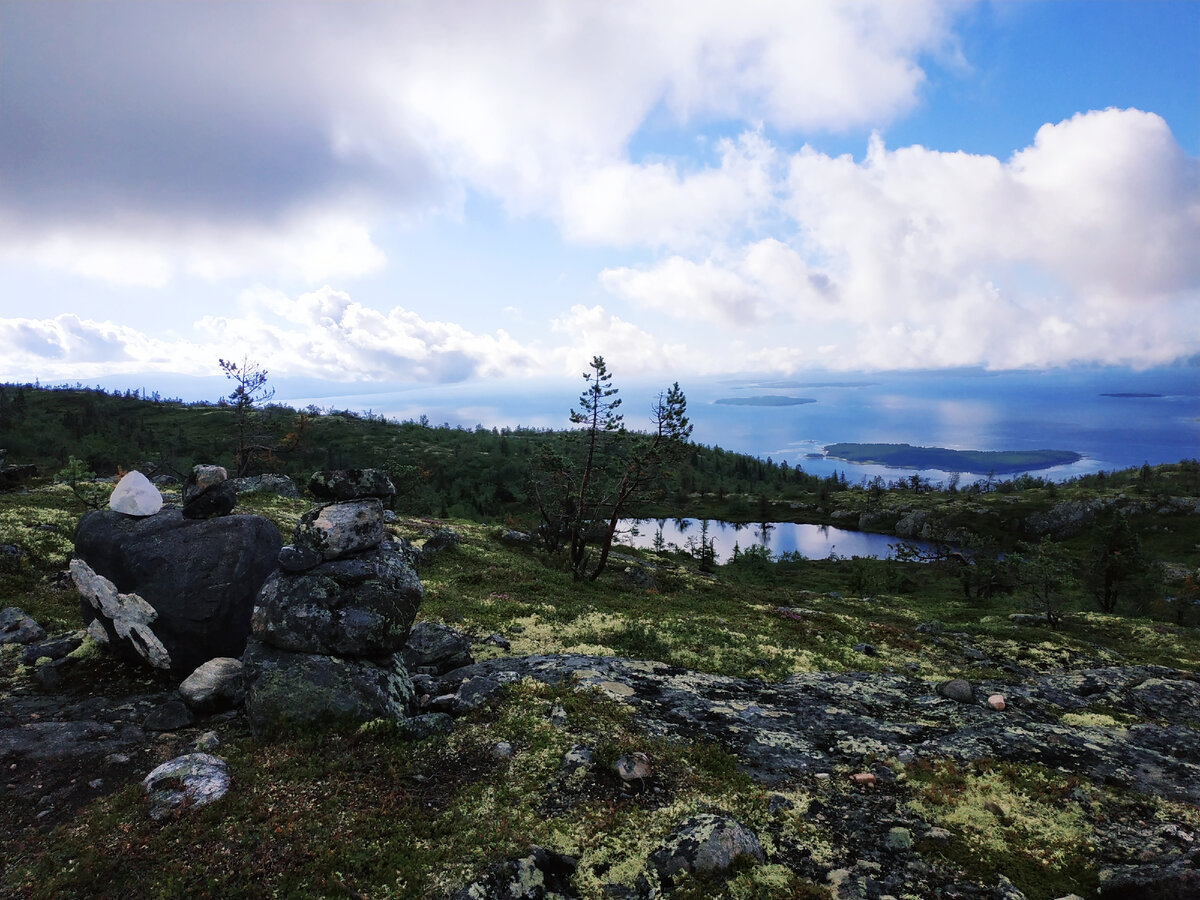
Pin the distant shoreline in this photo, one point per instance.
(1134, 395)
(974, 462)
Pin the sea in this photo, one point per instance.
(1113, 417)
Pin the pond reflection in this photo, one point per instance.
(810, 541)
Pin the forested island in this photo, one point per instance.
(976, 462)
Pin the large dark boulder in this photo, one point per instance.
(200, 575)
(295, 690)
(361, 606)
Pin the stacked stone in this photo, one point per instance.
(208, 493)
(329, 623)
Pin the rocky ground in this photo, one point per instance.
(852, 762)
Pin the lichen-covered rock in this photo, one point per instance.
(706, 843)
(290, 690)
(351, 484)
(134, 495)
(442, 539)
(1062, 520)
(18, 628)
(267, 483)
(200, 576)
(362, 606)
(816, 721)
(186, 782)
(216, 685)
(338, 530)
(911, 525)
(541, 874)
(436, 649)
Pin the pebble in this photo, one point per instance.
(96, 783)
(863, 778)
(502, 750)
(996, 702)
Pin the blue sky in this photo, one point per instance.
(366, 194)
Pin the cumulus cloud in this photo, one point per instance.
(1079, 247)
(324, 334)
(132, 133)
(626, 347)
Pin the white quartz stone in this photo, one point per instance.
(136, 496)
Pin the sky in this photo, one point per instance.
(366, 194)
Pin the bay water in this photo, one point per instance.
(1114, 417)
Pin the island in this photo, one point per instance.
(766, 400)
(975, 462)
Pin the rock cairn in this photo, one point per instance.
(329, 624)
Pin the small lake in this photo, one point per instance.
(812, 541)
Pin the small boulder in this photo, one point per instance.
(169, 716)
(18, 628)
(186, 782)
(338, 530)
(203, 478)
(299, 559)
(351, 484)
(218, 684)
(134, 495)
(996, 702)
(706, 843)
(898, 839)
(218, 500)
(633, 767)
(442, 539)
(268, 483)
(957, 689)
(436, 646)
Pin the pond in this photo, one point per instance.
(811, 541)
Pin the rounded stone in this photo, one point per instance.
(186, 782)
(217, 684)
(957, 689)
(996, 702)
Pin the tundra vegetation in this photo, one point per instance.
(1110, 559)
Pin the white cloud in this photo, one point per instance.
(592, 331)
(1079, 248)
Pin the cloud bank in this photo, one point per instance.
(145, 145)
